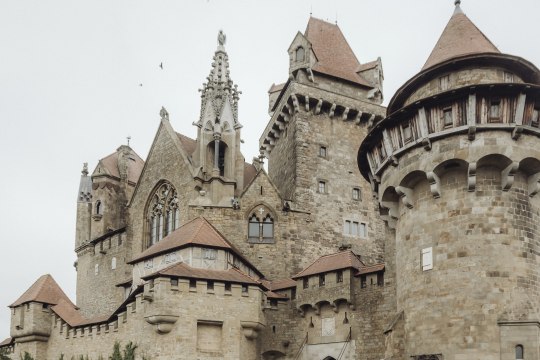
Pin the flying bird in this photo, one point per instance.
(161, 65)
(140, 84)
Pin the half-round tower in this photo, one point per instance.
(456, 167)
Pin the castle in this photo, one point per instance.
(406, 232)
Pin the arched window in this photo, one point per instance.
(163, 213)
(99, 208)
(519, 352)
(261, 225)
(300, 54)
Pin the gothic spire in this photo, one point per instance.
(219, 88)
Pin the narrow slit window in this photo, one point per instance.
(448, 118)
(305, 283)
(339, 276)
(356, 194)
(322, 279)
(322, 187)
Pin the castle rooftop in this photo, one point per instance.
(45, 290)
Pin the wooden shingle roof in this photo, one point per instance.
(460, 37)
(45, 290)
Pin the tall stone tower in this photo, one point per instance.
(100, 241)
(455, 166)
(312, 130)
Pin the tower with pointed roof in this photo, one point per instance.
(455, 168)
(313, 126)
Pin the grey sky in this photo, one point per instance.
(69, 89)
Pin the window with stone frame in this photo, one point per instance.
(323, 151)
(261, 225)
(356, 194)
(300, 54)
(322, 187)
(495, 110)
(163, 213)
(519, 352)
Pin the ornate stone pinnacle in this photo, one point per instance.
(457, 2)
(163, 113)
(85, 169)
(222, 38)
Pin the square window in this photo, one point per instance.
(210, 285)
(322, 187)
(227, 286)
(427, 259)
(244, 289)
(362, 230)
(448, 119)
(356, 194)
(407, 132)
(354, 228)
(192, 283)
(347, 227)
(535, 120)
(495, 110)
(444, 82)
(322, 151)
(322, 279)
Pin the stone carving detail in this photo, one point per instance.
(471, 177)
(164, 114)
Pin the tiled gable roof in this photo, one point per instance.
(182, 270)
(370, 269)
(460, 37)
(332, 262)
(195, 232)
(282, 284)
(334, 55)
(6, 342)
(45, 290)
(188, 143)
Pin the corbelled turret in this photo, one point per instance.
(455, 167)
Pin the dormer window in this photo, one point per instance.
(300, 54)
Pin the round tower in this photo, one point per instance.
(456, 169)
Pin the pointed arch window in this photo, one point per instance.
(300, 54)
(519, 352)
(260, 225)
(163, 213)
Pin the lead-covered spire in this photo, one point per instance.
(219, 90)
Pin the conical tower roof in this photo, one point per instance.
(460, 37)
(45, 290)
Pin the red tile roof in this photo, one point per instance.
(45, 290)
(277, 87)
(332, 262)
(250, 171)
(370, 269)
(188, 143)
(195, 232)
(282, 284)
(69, 313)
(334, 55)
(6, 342)
(460, 37)
(182, 270)
(136, 165)
(275, 295)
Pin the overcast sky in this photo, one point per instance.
(70, 75)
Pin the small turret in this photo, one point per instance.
(84, 208)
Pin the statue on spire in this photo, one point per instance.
(163, 113)
(221, 38)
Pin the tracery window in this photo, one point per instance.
(163, 213)
(261, 226)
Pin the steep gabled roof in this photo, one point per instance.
(334, 55)
(460, 37)
(370, 269)
(136, 164)
(282, 284)
(6, 342)
(188, 143)
(195, 232)
(68, 312)
(341, 260)
(45, 290)
(182, 270)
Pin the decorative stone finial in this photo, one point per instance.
(163, 113)
(85, 169)
(457, 2)
(221, 38)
